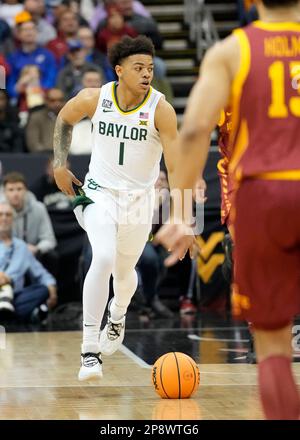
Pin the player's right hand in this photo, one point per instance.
(177, 239)
(64, 178)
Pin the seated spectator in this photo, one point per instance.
(55, 8)
(91, 78)
(28, 86)
(115, 29)
(46, 32)
(83, 129)
(31, 220)
(70, 77)
(41, 123)
(19, 267)
(11, 135)
(67, 26)
(160, 80)
(30, 53)
(100, 13)
(92, 55)
(47, 192)
(9, 9)
(142, 25)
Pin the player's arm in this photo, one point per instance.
(209, 96)
(82, 105)
(166, 124)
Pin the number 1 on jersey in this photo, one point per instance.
(121, 153)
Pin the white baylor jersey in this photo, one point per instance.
(126, 148)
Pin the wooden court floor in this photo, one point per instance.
(38, 380)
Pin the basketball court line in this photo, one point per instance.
(234, 350)
(192, 329)
(136, 359)
(200, 338)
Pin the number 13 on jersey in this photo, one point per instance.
(279, 108)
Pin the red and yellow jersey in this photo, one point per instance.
(266, 103)
(223, 164)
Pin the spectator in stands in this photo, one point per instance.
(40, 127)
(9, 9)
(142, 25)
(70, 77)
(46, 191)
(115, 29)
(67, 26)
(92, 78)
(11, 135)
(160, 80)
(31, 221)
(46, 32)
(55, 8)
(86, 37)
(19, 267)
(100, 12)
(30, 53)
(29, 88)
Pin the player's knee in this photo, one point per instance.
(129, 277)
(103, 261)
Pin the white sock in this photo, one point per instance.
(90, 338)
(124, 289)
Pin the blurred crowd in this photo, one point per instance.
(49, 51)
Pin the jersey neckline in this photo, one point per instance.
(277, 26)
(133, 110)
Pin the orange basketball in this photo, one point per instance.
(175, 375)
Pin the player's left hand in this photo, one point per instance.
(177, 239)
(64, 179)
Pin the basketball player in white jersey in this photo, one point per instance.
(132, 125)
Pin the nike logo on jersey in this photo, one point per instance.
(107, 111)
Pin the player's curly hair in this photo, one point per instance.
(279, 3)
(130, 46)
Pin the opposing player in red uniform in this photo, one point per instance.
(256, 71)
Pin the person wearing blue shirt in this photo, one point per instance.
(24, 283)
(30, 54)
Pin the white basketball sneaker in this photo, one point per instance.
(91, 366)
(112, 335)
